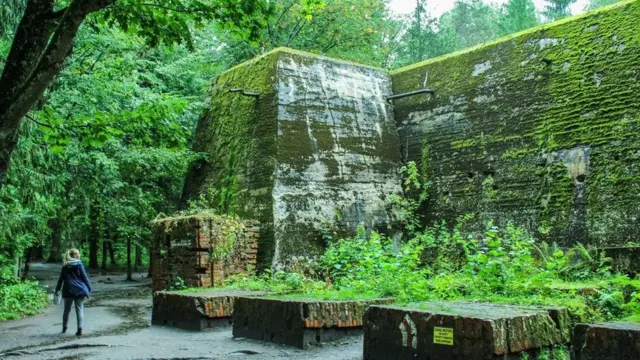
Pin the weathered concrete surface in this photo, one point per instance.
(540, 128)
(298, 323)
(609, 341)
(196, 310)
(337, 152)
(317, 150)
(182, 247)
(461, 331)
(624, 259)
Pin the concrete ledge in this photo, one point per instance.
(196, 311)
(609, 341)
(300, 322)
(461, 331)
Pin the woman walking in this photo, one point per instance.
(75, 286)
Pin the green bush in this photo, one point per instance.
(501, 264)
(21, 299)
(371, 264)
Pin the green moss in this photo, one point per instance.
(521, 118)
(329, 295)
(237, 134)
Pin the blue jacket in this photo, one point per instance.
(75, 279)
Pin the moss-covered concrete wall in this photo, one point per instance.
(318, 150)
(238, 136)
(338, 152)
(542, 128)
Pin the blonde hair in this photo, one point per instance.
(68, 257)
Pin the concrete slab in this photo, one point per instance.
(459, 330)
(298, 322)
(609, 341)
(200, 310)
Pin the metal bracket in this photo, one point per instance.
(412, 93)
(245, 93)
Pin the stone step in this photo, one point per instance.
(461, 331)
(608, 341)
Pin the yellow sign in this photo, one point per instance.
(443, 336)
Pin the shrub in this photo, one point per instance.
(21, 299)
(500, 264)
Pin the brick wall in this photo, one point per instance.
(182, 250)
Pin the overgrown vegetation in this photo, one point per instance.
(104, 149)
(21, 299)
(500, 264)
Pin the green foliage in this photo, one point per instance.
(170, 21)
(500, 264)
(416, 186)
(517, 15)
(368, 263)
(472, 21)
(349, 29)
(558, 9)
(10, 14)
(107, 153)
(594, 4)
(559, 352)
(21, 299)
(179, 285)
(278, 282)
(27, 201)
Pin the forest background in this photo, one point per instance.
(105, 149)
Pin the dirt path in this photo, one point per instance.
(117, 326)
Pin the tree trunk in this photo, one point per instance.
(112, 255)
(94, 234)
(150, 264)
(138, 256)
(55, 254)
(42, 42)
(18, 266)
(129, 278)
(27, 263)
(105, 250)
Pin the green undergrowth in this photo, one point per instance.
(329, 294)
(279, 282)
(21, 299)
(501, 265)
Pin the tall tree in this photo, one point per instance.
(348, 29)
(115, 98)
(44, 40)
(594, 4)
(558, 9)
(472, 21)
(421, 40)
(517, 15)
